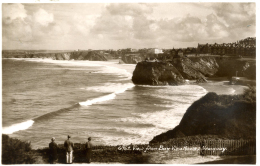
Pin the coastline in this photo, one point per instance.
(209, 87)
(222, 86)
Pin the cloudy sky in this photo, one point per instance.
(122, 25)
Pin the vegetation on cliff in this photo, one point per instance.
(15, 151)
(222, 115)
(229, 67)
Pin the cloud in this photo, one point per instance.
(15, 27)
(17, 30)
(82, 24)
(125, 25)
(237, 17)
(124, 22)
(43, 17)
(12, 12)
(131, 9)
(235, 13)
(133, 22)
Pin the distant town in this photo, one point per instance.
(242, 48)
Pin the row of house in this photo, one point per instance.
(245, 47)
(183, 51)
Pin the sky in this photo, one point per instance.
(72, 26)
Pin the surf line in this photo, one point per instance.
(105, 98)
(27, 124)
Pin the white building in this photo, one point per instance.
(155, 51)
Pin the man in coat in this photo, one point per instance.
(69, 150)
(53, 151)
(88, 147)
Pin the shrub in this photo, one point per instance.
(15, 151)
(250, 94)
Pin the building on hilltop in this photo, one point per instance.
(155, 51)
(245, 47)
(134, 50)
(183, 52)
(248, 41)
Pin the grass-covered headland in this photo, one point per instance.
(228, 116)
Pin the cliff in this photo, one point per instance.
(194, 68)
(222, 115)
(81, 55)
(156, 73)
(229, 67)
(174, 72)
(132, 59)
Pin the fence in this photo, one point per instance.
(205, 147)
(228, 147)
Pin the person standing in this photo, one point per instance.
(88, 147)
(69, 150)
(53, 151)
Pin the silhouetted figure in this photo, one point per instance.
(53, 151)
(69, 150)
(88, 147)
(202, 146)
(132, 147)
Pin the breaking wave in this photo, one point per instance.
(17, 127)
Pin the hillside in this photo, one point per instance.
(222, 115)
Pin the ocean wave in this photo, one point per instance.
(179, 94)
(116, 71)
(138, 136)
(109, 87)
(178, 89)
(104, 68)
(108, 67)
(106, 97)
(17, 127)
(171, 118)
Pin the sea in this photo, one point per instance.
(44, 98)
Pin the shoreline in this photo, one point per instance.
(206, 86)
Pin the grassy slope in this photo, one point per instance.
(222, 115)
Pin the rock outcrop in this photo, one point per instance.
(229, 67)
(174, 72)
(132, 59)
(156, 73)
(222, 115)
(194, 68)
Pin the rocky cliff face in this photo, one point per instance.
(131, 59)
(174, 72)
(156, 73)
(196, 68)
(229, 67)
(222, 115)
(92, 56)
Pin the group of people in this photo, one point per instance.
(68, 144)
